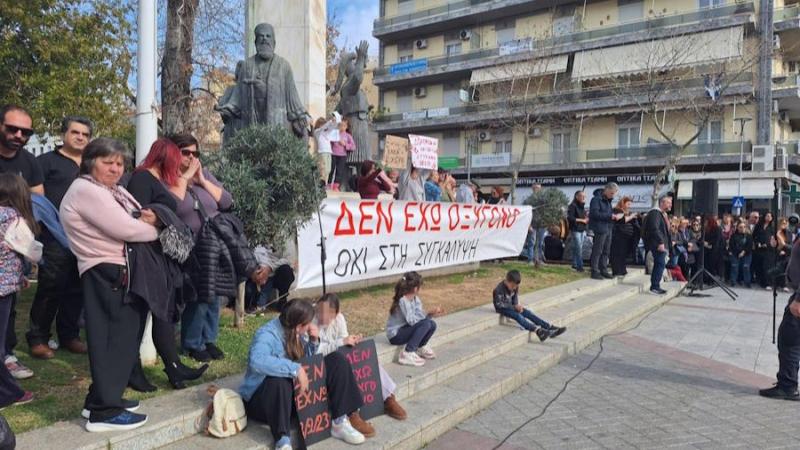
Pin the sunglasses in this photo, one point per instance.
(26, 132)
(186, 152)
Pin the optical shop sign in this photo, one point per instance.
(368, 238)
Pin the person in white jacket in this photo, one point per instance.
(333, 334)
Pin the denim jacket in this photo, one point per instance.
(268, 358)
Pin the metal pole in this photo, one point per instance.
(146, 120)
(742, 121)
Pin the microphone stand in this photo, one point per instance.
(322, 253)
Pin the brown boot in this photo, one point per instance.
(361, 426)
(393, 409)
(42, 351)
(75, 346)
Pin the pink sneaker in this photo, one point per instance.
(27, 397)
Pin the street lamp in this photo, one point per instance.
(742, 121)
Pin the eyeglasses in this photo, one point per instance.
(26, 132)
(187, 152)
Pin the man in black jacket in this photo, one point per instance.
(576, 216)
(601, 219)
(657, 241)
(789, 336)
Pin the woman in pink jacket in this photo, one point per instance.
(99, 217)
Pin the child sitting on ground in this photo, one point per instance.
(409, 324)
(333, 334)
(506, 303)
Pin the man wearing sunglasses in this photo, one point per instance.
(15, 130)
(58, 294)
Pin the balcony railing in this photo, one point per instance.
(620, 154)
(448, 8)
(563, 97)
(786, 13)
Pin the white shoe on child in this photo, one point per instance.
(410, 359)
(345, 432)
(426, 352)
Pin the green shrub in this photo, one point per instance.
(549, 205)
(272, 178)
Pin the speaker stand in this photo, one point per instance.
(702, 273)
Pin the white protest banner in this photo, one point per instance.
(369, 238)
(424, 152)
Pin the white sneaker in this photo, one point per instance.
(426, 352)
(16, 368)
(284, 447)
(410, 359)
(345, 432)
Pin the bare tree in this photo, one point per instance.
(176, 66)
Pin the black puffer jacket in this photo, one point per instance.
(221, 259)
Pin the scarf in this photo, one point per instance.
(120, 195)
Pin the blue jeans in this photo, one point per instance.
(577, 248)
(536, 245)
(659, 264)
(745, 262)
(200, 324)
(414, 336)
(524, 318)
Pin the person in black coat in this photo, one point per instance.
(624, 237)
(577, 219)
(764, 255)
(714, 245)
(657, 240)
(740, 249)
(601, 219)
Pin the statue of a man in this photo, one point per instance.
(265, 92)
(353, 102)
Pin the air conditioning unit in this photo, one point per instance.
(763, 158)
(484, 136)
(420, 92)
(776, 42)
(781, 158)
(465, 35)
(421, 43)
(535, 132)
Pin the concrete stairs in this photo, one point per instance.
(480, 360)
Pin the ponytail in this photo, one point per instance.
(406, 285)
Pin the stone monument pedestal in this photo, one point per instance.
(300, 30)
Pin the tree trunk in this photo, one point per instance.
(176, 66)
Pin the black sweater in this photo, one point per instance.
(576, 211)
(740, 242)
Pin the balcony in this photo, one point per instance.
(452, 14)
(645, 156)
(787, 18)
(564, 102)
(445, 66)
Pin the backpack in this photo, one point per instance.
(226, 414)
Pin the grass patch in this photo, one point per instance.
(61, 383)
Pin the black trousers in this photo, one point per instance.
(10, 334)
(273, 401)
(788, 351)
(9, 389)
(601, 247)
(113, 327)
(620, 249)
(58, 297)
(340, 172)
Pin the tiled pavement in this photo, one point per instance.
(685, 378)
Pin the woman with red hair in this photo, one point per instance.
(148, 185)
(714, 245)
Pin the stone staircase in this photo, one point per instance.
(480, 359)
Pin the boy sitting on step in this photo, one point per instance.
(506, 302)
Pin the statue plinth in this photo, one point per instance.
(300, 29)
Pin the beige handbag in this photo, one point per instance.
(20, 238)
(226, 414)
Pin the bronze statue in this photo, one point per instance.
(353, 103)
(264, 92)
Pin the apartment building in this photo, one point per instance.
(594, 91)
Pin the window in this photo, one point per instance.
(564, 20)
(451, 143)
(452, 95)
(711, 133)
(628, 135)
(452, 43)
(710, 3)
(405, 52)
(405, 7)
(560, 141)
(502, 144)
(506, 32)
(631, 10)
(404, 100)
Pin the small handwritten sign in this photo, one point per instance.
(312, 406)
(364, 360)
(424, 152)
(395, 153)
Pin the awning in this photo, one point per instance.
(519, 70)
(660, 54)
(751, 189)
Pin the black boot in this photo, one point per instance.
(137, 381)
(190, 373)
